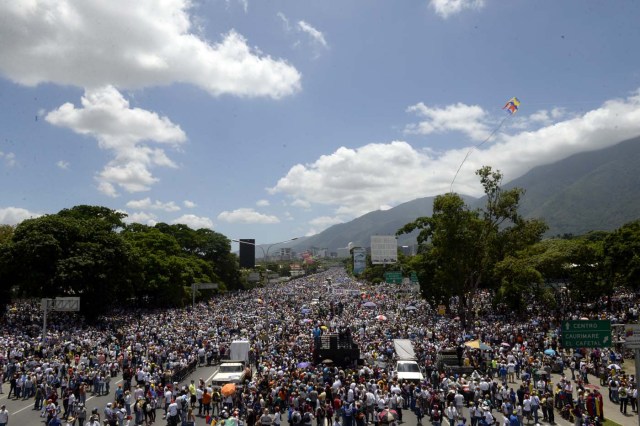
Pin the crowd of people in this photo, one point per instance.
(508, 380)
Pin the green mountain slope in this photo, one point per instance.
(598, 190)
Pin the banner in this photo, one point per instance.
(359, 260)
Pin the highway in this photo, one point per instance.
(21, 412)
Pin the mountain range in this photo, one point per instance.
(597, 190)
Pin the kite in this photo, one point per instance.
(511, 107)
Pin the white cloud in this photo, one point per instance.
(15, 215)
(245, 215)
(316, 36)
(243, 3)
(144, 218)
(189, 204)
(64, 165)
(323, 222)
(547, 117)
(262, 203)
(124, 131)
(357, 181)
(285, 21)
(194, 222)
(468, 119)
(107, 189)
(446, 8)
(147, 204)
(9, 158)
(303, 204)
(92, 43)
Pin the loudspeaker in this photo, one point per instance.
(247, 253)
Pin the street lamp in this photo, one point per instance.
(265, 255)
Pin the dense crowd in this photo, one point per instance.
(154, 351)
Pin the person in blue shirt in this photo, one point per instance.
(55, 421)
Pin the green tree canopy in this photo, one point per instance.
(460, 247)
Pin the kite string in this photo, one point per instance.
(474, 147)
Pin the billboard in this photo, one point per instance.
(384, 249)
(247, 253)
(359, 260)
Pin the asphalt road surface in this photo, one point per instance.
(21, 412)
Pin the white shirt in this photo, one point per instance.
(4, 416)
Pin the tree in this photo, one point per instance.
(72, 253)
(165, 269)
(209, 246)
(6, 235)
(621, 251)
(460, 247)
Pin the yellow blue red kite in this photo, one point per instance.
(512, 105)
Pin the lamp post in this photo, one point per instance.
(265, 255)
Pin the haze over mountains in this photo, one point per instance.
(598, 190)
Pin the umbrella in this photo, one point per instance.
(327, 361)
(303, 364)
(381, 318)
(410, 308)
(324, 327)
(550, 352)
(369, 305)
(591, 386)
(228, 389)
(231, 421)
(387, 416)
(505, 345)
(477, 344)
(616, 366)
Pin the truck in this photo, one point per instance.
(407, 368)
(236, 369)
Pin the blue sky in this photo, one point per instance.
(276, 119)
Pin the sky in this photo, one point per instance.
(274, 120)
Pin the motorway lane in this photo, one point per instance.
(21, 412)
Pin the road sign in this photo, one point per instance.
(206, 286)
(586, 334)
(632, 336)
(414, 277)
(47, 304)
(66, 304)
(393, 277)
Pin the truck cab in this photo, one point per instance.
(407, 368)
(231, 371)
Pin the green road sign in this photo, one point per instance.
(414, 277)
(586, 334)
(393, 277)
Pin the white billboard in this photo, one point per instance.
(384, 249)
